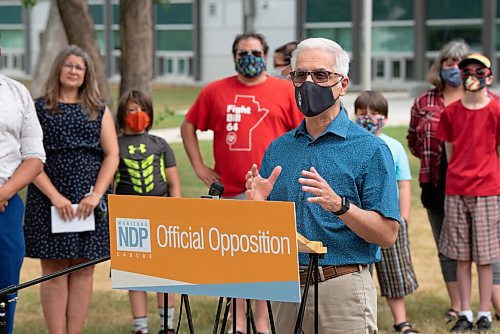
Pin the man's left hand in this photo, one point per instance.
(314, 184)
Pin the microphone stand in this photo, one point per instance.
(4, 301)
(215, 192)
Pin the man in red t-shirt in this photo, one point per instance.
(246, 112)
(470, 128)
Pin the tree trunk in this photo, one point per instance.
(53, 41)
(136, 35)
(79, 27)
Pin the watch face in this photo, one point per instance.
(345, 204)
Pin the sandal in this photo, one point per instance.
(451, 315)
(497, 316)
(399, 328)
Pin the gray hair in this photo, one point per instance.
(341, 57)
(456, 49)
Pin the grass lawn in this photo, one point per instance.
(110, 310)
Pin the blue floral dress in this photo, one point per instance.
(74, 157)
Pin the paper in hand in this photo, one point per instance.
(59, 225)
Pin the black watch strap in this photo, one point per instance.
(344, 208)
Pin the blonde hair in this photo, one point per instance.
(456, 49)
(88, 92)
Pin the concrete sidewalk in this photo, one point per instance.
(399, 114)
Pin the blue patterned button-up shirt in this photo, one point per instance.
(355, 163)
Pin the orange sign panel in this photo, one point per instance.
(233, 248)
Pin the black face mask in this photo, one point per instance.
(313, 99)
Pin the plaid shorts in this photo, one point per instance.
(395, 272)
(471, 229)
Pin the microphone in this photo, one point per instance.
(216, 190)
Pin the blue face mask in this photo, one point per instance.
(451, 76)
(368, 122)
(250, 66)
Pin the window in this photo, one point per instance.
(392, 10)
(161, 65)
(116, 40)
(170, 66)
(343, 36)
(191, 66)
(181, 66)
(11, 15)
(387, 39)
(498, 37)
(101, 40)
(116, 14)
(174, 40)
(379, 68)
(328, 11)
(396, 69)
(409, 69)
(453, 9)
(437, 36)
(96, 11)
(180, 13)
(12, 39)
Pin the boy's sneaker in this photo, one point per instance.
(462, 325)
(483, 324)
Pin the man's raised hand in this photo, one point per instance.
(258, 188)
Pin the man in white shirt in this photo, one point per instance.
(21, 160)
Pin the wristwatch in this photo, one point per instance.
(345, 205)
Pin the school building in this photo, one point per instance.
(193, 38)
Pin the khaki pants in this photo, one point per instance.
(347, 304)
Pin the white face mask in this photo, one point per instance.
(278, 73)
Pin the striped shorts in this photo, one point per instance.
(395, 272)
(471, 229)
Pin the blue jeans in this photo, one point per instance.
(11, 251)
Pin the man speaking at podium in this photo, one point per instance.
(343, 183)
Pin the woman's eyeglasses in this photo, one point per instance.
(318, 76)
(479, 72)
(244, 53)
(70, 67)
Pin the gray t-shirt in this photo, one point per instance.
(143, 160)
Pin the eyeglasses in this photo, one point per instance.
(479, 72)
(318, 76)
(281, 64)
(70, 67)
(244, 53)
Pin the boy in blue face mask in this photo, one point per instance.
(395, 272)
(470, 129)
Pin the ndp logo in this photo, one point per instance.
(133, 235)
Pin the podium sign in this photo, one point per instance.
(229, 248)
